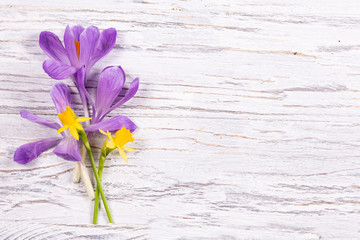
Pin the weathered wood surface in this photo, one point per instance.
(248, 116)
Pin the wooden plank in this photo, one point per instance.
(247, 115)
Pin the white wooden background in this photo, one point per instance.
(248, 115)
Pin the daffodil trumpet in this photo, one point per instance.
(111, 143)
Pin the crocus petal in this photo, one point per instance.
(112, 124)
(104, 45)
(80, 78)
(52, 46)
(60, 94)
(110, 84)
(58, 70)
(134, 86)
(68, 149)
(30, 151)
(39, 120)
(76, 31)
(71, 35)
(88, 41)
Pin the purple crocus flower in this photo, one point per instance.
(110, 84)
(83, 48)
(66, 146)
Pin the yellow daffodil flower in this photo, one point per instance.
(71, 122)
(121, 137)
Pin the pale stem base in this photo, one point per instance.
(77, 174)
(87, 182)
(80, 170)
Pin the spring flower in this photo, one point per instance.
(110, 84)
(121, 137)
(83, 47)
(66, 146)
(71, 122)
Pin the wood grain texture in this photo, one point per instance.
(248, 114)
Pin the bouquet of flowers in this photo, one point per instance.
(81, 50)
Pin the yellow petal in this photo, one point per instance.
(73, 132)
(102, 132)
(83, 119)
(111, 137)
(122, 154)
(128, 149)
(111, 145)
(108, 134)
(104, 144)
(62, 129)
(70, 111)
(78, 126)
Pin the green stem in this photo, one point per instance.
(87, 146)
(101, 167)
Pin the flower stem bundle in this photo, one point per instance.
(74, 59)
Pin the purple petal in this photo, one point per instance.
(88, 41)
(60, 94)
(112, 124)
(39, 120)
(72, 34)
(80, 78)
(58, 70)
(104, 45)
(68, 149)
(30, 151)
(134, 86)
(111, 81)
(76, 31)
(52, 46)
